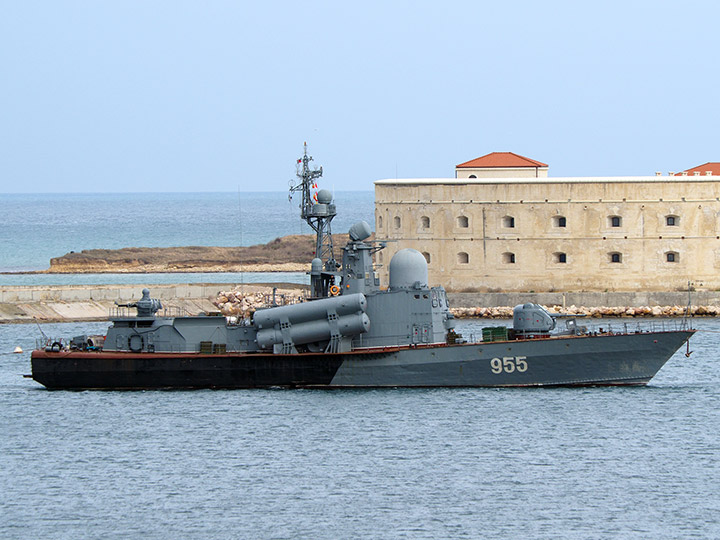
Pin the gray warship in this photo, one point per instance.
(350, 332)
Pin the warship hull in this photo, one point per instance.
(605, 359)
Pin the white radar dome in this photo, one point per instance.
(408, 267)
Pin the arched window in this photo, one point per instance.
(379, 222)
(672, 256)
(508, 221)
(560, 257)
(462, 222)
(463, 258)
(380, 256)
(425, 222)
(472, 176)
(615, 221)
(397, 222)
(615, 257)
(672, 221)
(559, 221)
(508, 258)
(427, 256)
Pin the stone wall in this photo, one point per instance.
(556, 234)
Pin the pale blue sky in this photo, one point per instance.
(220, 95)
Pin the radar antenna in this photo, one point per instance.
(318, 211)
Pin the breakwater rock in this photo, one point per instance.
(235, 303)
(506, 312)
(240, 304)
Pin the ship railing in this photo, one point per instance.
(645, 326)
(51, 343)
(124, 312)
(274, 300)
(634, 326)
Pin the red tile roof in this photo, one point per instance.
(709, 166)
(501, 159)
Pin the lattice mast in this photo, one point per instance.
(318, 211)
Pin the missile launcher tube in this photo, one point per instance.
(310, 311)
(313, 331)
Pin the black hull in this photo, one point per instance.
(134, 371)
(621, 359)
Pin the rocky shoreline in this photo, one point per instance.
(235, 303)
(285, 254)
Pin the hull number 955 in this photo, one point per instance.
(508, 364)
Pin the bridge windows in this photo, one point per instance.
(397, 222)
(463, 258)
(615, 257)
(672, 257)
(560, 257)
(425, 222)
(379, 222)
(508, 258)
(615, 221)
(462, 222)
(559, 221)
(427, 256)
(672, 221)
(508, 222)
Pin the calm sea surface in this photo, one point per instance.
(39, 227)
(589, 463)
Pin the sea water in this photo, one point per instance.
(582, 463)
(37, 228)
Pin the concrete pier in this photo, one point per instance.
(82, 303)
(58, 303)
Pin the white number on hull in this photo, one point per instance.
(508, 364)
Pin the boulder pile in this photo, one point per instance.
(242, 305)
(505, 312)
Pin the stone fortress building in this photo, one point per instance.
(504, 225)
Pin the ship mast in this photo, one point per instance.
(318, 211)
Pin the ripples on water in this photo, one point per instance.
(439, 463)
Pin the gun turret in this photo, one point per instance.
(146, 306)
